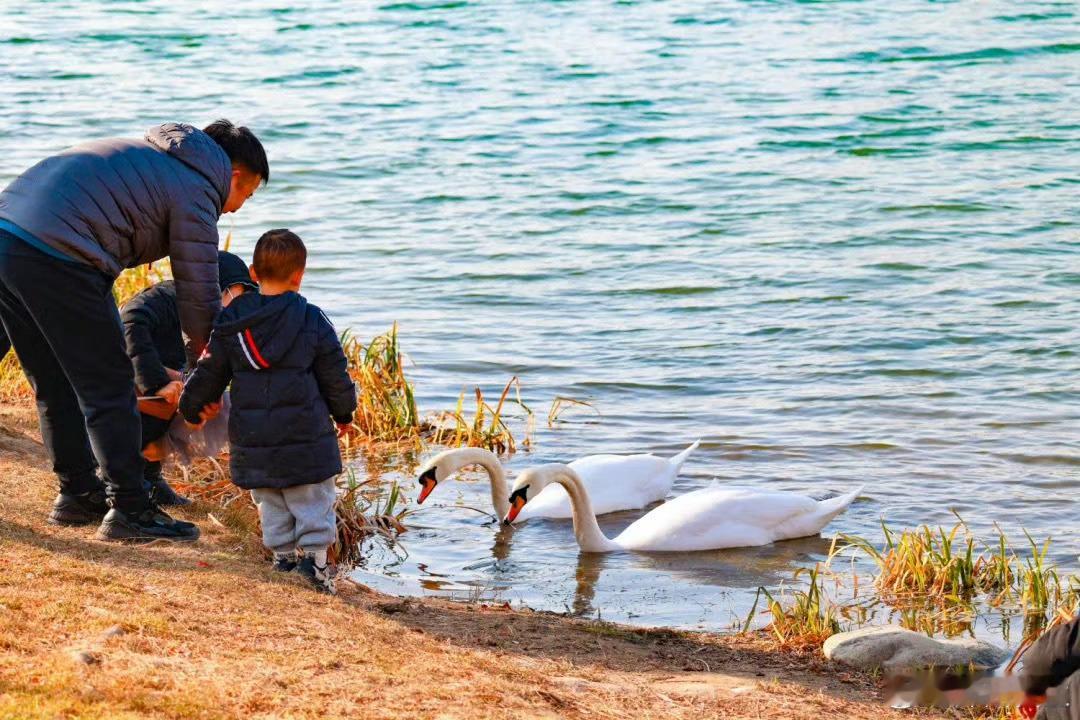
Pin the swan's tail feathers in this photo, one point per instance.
(828, 509)
(678, 460)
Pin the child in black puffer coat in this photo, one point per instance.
(289, 378)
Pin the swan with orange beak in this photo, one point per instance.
(614, 482)
(711, 518)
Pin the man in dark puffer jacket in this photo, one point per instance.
(289, 377)
(1054, 662)
(68, 226)
(155, 345)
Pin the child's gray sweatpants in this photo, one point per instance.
(301, 516)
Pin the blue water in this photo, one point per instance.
(836, 241)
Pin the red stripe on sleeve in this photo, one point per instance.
(254, 349)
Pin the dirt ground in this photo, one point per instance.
(96, 630)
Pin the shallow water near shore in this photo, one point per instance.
(835, 241)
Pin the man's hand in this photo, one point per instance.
(343, 429)
(170, 392)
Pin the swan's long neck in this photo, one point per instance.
(587, 531)
(496, 475)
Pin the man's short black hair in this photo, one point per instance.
(241, 145)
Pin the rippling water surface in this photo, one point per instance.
(836, 241)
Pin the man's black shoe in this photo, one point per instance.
(161, 493)
(79, 509)
(150, 524)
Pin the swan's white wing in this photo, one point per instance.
(814, 522)
(613, 482)
(716, 517)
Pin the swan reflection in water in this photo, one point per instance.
(735, 568)
(465, 555)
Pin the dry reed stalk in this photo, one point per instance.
(386, 409)
(560, 404)
(453, 429)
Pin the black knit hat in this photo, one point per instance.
(233, 271)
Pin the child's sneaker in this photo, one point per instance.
(319, 577)
(284, 562)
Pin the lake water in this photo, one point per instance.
(835, 241)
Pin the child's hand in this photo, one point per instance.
(209, 412)
(343, 429)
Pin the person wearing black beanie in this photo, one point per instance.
(155, 345)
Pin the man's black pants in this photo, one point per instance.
(61, 318)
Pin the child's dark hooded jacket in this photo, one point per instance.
(289, 377)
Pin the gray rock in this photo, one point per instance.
(114, 631)
(85, 657)
(894, 649)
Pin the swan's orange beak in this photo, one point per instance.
(427, 484)
(515, 508)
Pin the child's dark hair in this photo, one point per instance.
(278, 254)
(241, 145)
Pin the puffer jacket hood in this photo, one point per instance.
(265, 326)
(197, 150)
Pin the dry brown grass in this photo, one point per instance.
(132, 282)
(13, 386)
(95, 630)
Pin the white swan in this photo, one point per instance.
(708, 519)
(614, 482)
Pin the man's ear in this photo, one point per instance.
(297, 278)
(253, 274)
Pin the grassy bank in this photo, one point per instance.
(95, 630)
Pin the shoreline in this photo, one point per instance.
(208, 631)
